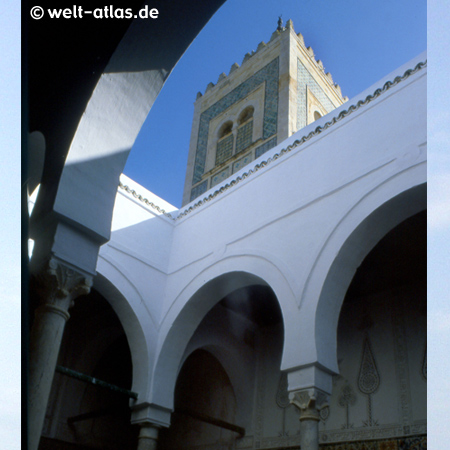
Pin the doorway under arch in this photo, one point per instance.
(203, 392)
(380, 392)
(82, 415)
(222, 371)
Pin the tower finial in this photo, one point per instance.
(280, 24)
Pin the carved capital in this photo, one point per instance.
(309, 402)
(59, 285)
(66, 281)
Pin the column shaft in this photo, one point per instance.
(46, 335)
(309, 434)
(61, 285)
(148, 437)
(309, 402)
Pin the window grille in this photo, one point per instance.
(244, 136)
(224, 149)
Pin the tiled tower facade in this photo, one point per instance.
(278, 89)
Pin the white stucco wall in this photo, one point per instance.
(283, 225)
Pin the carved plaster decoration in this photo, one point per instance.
(324, 413)
(360, 434)
(260, 398)
(309, 402)
(405, 425)
(347, 399)
(59, 285)
(410, 443)
(368, 380)
(275, 443)
(282, 397)
(401, 359)
(282, 400)
(69, 282)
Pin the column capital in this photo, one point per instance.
(59, 283)
(309, 402)
(66, 281)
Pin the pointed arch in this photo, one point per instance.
(361, 228)
(198, 297)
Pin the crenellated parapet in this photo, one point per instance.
(318, 63)
(308, 51)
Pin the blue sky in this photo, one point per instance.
(358, 42)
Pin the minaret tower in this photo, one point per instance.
(278, 89)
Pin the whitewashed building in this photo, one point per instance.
(290, 285)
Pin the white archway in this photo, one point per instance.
(359, 230)
(198, 297)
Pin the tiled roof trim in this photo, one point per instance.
(145, 200)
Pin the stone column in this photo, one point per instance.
(61, 286)
(309, 402)
(148, 436)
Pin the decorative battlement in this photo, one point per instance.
(262, 46)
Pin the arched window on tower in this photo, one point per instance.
(224, 143)
(317, 115)
(245, 129)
